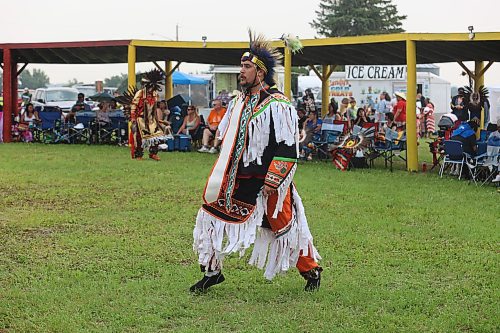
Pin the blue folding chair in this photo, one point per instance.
(453, 155)
(119, 125)
(50, 125)
(483, 135)
(82, 131)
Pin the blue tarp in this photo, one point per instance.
(183, 78)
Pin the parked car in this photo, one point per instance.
(110, 90)
(62, 97)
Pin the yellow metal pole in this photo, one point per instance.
(479, 76)
(411, 105)
(325, 90)
(169, 87)
(131, 65)
(478, 82)
(288, 73)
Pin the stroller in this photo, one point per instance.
(446, 125)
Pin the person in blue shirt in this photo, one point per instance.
(80, 104)
(312, 127)
(466, 133)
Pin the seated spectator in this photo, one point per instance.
(387, 124)
(466, 133)
(332, 114)
(301, 114)
(70, 117)
(313, 131)
(102, 115)
(361, 117)
(113, 105)
(81, 103)
(212, 131)
(389, 120)
(162, 115)
(191, 122)
(29, 119)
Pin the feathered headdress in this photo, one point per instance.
(128, 96)
(263, 55)
(151, 80)
(474, 98)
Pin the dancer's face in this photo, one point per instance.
(248, 73)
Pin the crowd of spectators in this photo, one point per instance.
(187, 121)
(389, 115)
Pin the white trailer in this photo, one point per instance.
(367, 91)
(494, 98)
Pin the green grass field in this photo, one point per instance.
(91, 241)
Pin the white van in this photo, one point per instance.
(62, 97)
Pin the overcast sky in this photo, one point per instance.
(219, 20)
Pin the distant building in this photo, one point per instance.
(226, 78)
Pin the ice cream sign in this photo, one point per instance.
(375, 72)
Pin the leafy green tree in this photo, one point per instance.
(33, 81)
(115, 80)
(338, 18)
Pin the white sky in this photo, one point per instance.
(219, 20)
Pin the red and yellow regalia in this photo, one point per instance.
(146, 132)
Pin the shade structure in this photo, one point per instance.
(101, 97)
(183, 78)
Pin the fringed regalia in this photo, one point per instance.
(260, 147)
(146, 131)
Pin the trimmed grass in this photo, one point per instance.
(91, 241)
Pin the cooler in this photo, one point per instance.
(182, 142)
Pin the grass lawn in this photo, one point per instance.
(91, 241)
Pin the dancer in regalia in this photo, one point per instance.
(146, 132)
(249, 196)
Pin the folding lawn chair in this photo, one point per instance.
(453, 155)
(82, 131)
(330, 135)
(483, 167)
(393, 146)
(49, 129)
(119, 124)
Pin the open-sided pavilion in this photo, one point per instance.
(391, 49)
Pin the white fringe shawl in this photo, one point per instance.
(209, 234)
(285, 128)
(276, 254)
(147, 143)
